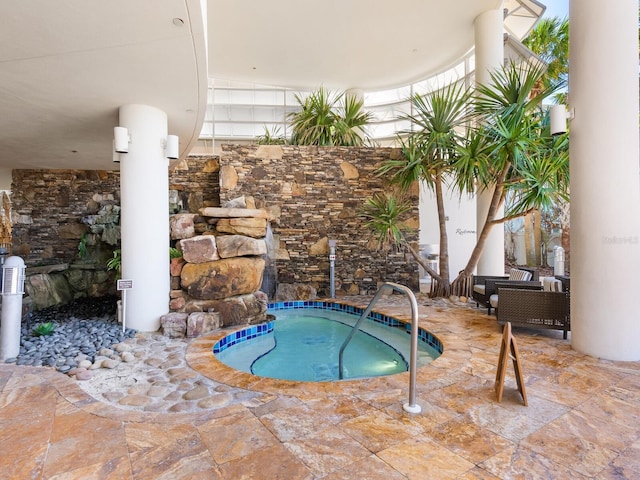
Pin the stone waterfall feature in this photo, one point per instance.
(217, 281)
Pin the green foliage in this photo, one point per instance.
(115, 263)
(82, 246)
(175, 253)
(520, 154)
(271, 137)
(328, 119)
(429, 149)
(507, 150)
(383, 214)
(44, 329)
(549, 40)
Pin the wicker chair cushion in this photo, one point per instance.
(493, 300)
(551, 285)
(479, 288)
(517, 274)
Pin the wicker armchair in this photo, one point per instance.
(485, 286)
(534, 309)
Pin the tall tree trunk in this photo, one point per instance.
(462, 285)
(537, 236)
(439, 283)
(529, 239)
(442, 285)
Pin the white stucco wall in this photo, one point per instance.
(461, 226)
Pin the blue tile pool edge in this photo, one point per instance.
(265, 328)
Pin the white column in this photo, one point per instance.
(144, 218)
(605, 179)
(489, 55)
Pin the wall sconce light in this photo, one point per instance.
(121, 139)
(558, 117)
(116, 155)
(171, 148)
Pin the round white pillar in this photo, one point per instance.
(605, 179)
(489, 56)
(144, 218)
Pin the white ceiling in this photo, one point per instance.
(342, 44)
(67, 65)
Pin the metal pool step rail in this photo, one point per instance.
(411, 406)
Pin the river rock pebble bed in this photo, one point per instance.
(132, 370)
(83, 333)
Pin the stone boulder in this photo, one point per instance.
(240, 246)
(248, 309)
(223, 278)
(46, 290)
(199, 323)
(251, 227)
(174, 325)
(199, 249)
(181, 226)
(295, 291)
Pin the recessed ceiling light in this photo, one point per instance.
(178, 22)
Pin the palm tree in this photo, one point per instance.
(328, 119)
(510, 150)
(351, 122)
(313, 124)
(517, 153)
(549, 40)
(428, 155)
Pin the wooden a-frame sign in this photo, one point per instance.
(509, 348)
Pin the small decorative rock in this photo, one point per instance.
(174, 325)
(138, 390)
(128, 357)
(110, 363)
(181, 407)
(84, 374)
(122, 347)
(197, 393)
(157, 391)
(134, 400)
(112, 396)
(84, 364)
(215, 401)
(96, 365)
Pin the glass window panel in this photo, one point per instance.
(387, 96)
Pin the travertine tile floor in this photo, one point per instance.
(583, 419)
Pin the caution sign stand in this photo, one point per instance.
(509, 348)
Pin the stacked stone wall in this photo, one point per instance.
(196, 184)
(47, 207)
(314, 194)
(311, 194)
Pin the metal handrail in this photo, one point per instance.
(411, 406)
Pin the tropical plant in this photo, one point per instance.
(82, 246)
(271, 137)
(519, 154)
(429, 153)
(509, 149)
(328, 119)
(115, 262)
(383, 215)
(549, 40)
(44, 329)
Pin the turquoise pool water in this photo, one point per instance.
(303, 344)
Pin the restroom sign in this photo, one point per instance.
(125, 284)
